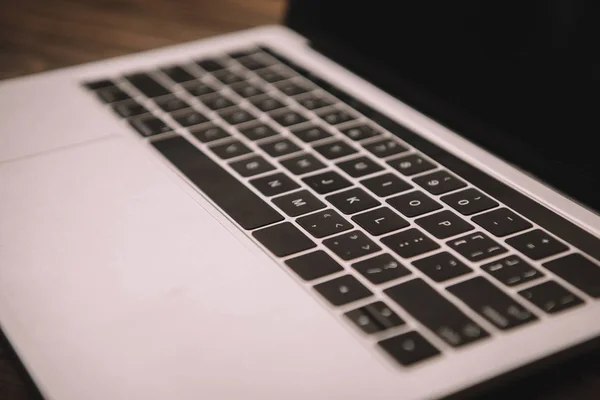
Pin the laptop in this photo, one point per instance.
(368, 202)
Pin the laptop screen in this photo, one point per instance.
(521, 79)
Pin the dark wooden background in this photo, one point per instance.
(39, 35)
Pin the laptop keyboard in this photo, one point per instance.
(408, 243)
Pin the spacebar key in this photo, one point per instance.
(239, 202)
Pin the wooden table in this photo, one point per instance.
(39, 35)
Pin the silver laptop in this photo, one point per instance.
(245, 218)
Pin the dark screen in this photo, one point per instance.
(521, 79)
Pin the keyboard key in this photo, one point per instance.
(291, 88)
(188, 117)
(374, 317)
(313, 102)
(314, 265)
(101, 84)
(411, 164)
(266, 103)
(208, 133)
(351, 245)
(410, 243)
(288, 117)
(228, 77)
(216, 101)
(512, 270)
(476, 247)
(444, 224)
(579, 272)
(333, 150)
(147, 85)
(233, 197)
(324, 223)
(178, 74)
(326, 182)
(380, 269)
(379, 221)
(442, 266)
(343, 290)
(171, 103)
(536, 244)
(129, 108)
(334, 116)
(251, 166)
(386, 185)
(360, 132)
(283, 239)
(251, 63)
(385, 148)
(280, 147)
(413, 204)
(439, 182)
(492, 303)
(298, 203)
(302, 164)
(469, 201)
(501, 222)
(258, 131)
(112, 94)
(149, 125)
(230, 149)
(243, 53)
(352, 201)
(360, 166)
(311, 134)
(551, 297)
(198, 88)
(236, 115)
(210, 65)
(274, 184)
(272, 75)
(409, 348)
(246, 89)
(436, 312)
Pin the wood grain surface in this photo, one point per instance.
(40, 35)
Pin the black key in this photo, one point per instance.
(243, 53)
(147, 85)
(352, 201)
(149, 125)
(385, 148)
(374, 317)
(334, 116)
(291, 88)
(302, 164)
(351, 245)
(476, 247)
(271, 75)
(360, 166)
(283, 239)
(236, 200)
(492, 303)
(178, 74)
(326, 182)
(258, 131)
(311, 134)
(112, 94)
(501, 222)
(189, 117)
(198, 88)
(210, 65)
(381, 268)
(386, 185)
(442, 266)
(236, 115)
(208, 133)
(246, 89)
(436, 312)
(313, 102)
(228, 77)
(343, 290)
(230, 149)
(439, 182)
(333, 150)
(251, 63)
(413, 204)
(288, 117)
(469, 201)
(298, 203)
(274, 184)
(171, 103)
(512, 270)
(314, 265)
(360, 132)
(324, 223)
(551, 297)
(536, 244)
(379, 221)
(266, 103)
(444, 224)
(411, 164)
(409, 348)
(251, 166)
(216, 101)
(410, 243)
(280, 147)
(101, 84)
(578, 271)
(129, 108)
